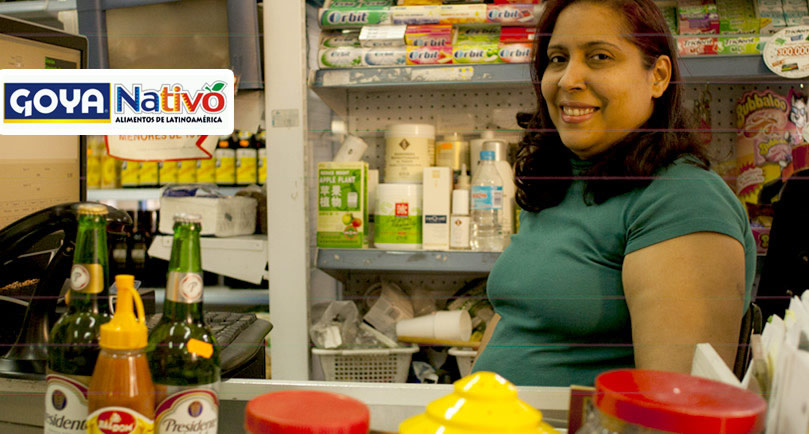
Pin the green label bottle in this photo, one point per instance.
(183, 355)
(73, 344)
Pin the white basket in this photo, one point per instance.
(465, 358)
(385, 365)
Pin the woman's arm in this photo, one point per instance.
(487, 334)
(681, 292)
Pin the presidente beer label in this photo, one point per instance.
(184, 287)
(88, 278)
(66, 404)
(188, 410)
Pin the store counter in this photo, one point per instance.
(22, 405)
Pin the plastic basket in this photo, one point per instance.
(465, 358)
(385, 365)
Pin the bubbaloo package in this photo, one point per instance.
(342, 204)
(770, 143)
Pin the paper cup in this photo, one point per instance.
(450, 325)
(453, 325)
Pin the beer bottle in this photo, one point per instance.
(73, 347)
(183, 355)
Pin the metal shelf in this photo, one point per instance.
(138, 194)
(338, 263)
(36, 8)
(243, 257)
(333, 85)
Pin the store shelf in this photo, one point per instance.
(333, 85)
(138, 194)
(340, 262)
(33, 9)
(243, 257)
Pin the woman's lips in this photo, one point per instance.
(576, 114)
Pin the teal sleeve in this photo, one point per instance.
(684, 199)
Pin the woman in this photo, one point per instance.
(630, 251)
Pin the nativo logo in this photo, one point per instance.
(110, 102)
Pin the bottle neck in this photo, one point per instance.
(185, 312)
(184, 284)
(90, 273)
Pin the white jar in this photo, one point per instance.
(409, 148)
(397, 218)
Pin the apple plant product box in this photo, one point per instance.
(342, 204)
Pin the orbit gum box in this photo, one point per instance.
(439, 55)
(514, 14)
(515, 53)
(332, 18)
(429, 36)
(484, 53)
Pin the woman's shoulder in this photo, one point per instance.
(688, 173)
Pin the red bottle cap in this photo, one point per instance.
(306, 412)
(673, 402)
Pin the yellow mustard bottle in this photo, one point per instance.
(481, 402)
(121, 396)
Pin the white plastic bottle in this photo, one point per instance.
(509, 188)
(487, 204)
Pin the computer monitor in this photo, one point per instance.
(39, 171)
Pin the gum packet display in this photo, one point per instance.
(463, 14)
(476, 35)
(340, 39)
(514, 14)
(484, 53)
(415, 15)
(440, 55)
(339, 18)
(515, 53)
(429, 35)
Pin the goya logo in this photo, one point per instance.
(170, 99)
(56, 102)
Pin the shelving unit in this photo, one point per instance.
(338, 263)
(139, 194)
(369, 99)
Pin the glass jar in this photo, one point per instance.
(635, 401)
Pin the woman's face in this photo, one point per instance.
(596, 86)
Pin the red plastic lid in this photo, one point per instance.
(306, 412)
(673, 402)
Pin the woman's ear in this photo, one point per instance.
(661, 75)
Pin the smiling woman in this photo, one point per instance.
(630, 251)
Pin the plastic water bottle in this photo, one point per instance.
(487, 204)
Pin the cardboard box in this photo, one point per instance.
(437, 184)
(221, 216)
(342, 204)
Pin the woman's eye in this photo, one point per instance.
(556, 59)
(601, 57)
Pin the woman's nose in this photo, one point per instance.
(574, 76)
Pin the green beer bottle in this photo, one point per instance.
(183, 355)
(73, 344)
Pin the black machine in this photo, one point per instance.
(36, 253)
(786, 267)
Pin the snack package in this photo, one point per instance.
(763, 144)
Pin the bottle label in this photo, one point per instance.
(487, 197)
(246, 166)
(66, 404)
(118, 420)
(87, 278)
(184, 287)
(206, 170)
(225, 166)
(193, 409)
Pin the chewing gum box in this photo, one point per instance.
(439, 55)
(514, 14)
(515, 53)
(416, 15)
(340, 39)
(339, 18)
(383, 36)
(484, 53)
(353, 57)
(476, 35)
(463, 14)
(697, 45)
(517, 35)
(429, 36)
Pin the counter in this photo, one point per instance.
(21, 401)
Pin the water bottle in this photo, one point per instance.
(487, 204)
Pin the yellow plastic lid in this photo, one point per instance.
(125, 331)
(483, 402)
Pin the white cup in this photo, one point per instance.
(448, 325)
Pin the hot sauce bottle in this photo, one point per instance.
(121, 396)
(73, 344)
(183, 355)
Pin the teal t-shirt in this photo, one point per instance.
(558, 285)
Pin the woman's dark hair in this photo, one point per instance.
(543, 171)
